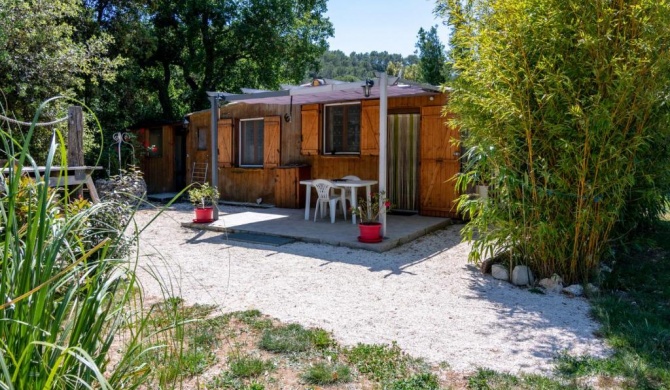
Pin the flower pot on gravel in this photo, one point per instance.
(370, 232)
(204, 214)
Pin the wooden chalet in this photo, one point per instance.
(266, 142)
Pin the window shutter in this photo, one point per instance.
(310, 130)
(370, 130)
(271, 141)
(225, 142)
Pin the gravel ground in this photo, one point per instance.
(423, 295)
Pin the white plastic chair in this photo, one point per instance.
(323, 188)
(343, 190)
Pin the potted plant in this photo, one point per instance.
(203, 197)
(368, 214)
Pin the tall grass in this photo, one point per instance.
(65, 297)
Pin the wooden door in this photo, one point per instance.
(402, 161)
(439, 164)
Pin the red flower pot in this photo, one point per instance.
(204, 214)
(370, 232)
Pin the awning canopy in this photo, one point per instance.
(328, 93)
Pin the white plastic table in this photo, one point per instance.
(353, 185)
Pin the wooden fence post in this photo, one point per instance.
(75, 141)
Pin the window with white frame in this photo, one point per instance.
(342, 128)
(251, 142)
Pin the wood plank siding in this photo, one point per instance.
(293, 152)
(155, 167)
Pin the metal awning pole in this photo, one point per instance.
(383, 111)
(214, 127)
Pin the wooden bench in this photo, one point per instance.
(67, 176)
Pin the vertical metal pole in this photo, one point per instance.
(383, 113)
(214, 126)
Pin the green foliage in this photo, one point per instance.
(320, 338)
(179, 50)
(286, 339)
(485, 379)
(359, 66)
(255, 319)
(62, 307)
(382, 363)
(248, 366)
(567, 101)
(42, 54)
(203, 195)
(432, 57)
(424, 381)
(327, 374)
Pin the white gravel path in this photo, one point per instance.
(424, 295)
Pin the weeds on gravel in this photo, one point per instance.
(245, 366)
(286, 339)
(491, 380)
(423, 381)
(254, 319)
(383, 363)
(327, 374)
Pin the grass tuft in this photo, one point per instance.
(327, 374)
(286, 339)
(423, 381)
(248, 366)
(381, 362)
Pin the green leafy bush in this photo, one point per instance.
(563, 110)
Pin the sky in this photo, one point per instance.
(381, 25)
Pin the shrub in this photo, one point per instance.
(563, 110)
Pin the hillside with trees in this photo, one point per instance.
(356, 66)
(429, 64)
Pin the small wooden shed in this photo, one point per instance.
(269, 141)
(161, 148)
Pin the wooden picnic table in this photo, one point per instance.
(71, 176)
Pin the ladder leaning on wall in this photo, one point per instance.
(199, 172)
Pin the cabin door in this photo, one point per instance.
(402, 162)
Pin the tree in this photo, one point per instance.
(432, 57)
(563, 106)
(40, 57)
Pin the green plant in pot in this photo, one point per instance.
(368, 215)
(203, 197)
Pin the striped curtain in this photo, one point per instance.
(403, 138)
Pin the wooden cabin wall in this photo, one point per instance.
(363, 166)
(158, 170)
(248, 184)
(439, 164)
(281, 187)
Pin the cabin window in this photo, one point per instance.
(342, 129)
(202, 138)
(153, 142)
(251, 142)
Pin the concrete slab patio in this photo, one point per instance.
(291, 224)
